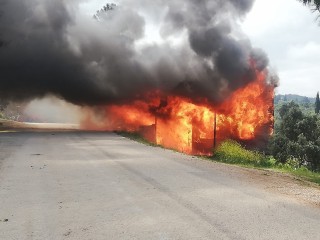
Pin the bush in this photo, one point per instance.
(232, 152)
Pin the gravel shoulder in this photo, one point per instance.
(278, 182)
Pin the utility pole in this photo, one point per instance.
(155, 128)
(215, 131)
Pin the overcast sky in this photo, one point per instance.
(288, 32)
(290, 35)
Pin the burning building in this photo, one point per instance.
(194, 127)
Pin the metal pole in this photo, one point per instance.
(215, 131)
(155, 128)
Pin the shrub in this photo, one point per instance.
(232, 152)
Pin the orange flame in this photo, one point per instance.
(179, 123)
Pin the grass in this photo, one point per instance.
(233, 153)
(308, 175)
(302, 173)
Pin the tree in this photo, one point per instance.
(3, 104)
(306, 100)
(314, 4)
(317, 104)
(285, 99)
(290, 114)
(298, 137)
(108, 7)
(277, 99)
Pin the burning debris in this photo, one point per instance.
(193, 67)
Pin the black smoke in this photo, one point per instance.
(51, 47)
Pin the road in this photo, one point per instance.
(82, 186)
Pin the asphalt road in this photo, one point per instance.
(82, 186)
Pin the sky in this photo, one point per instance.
(287, 31)
(290, 34)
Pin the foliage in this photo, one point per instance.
(232, 152)
(314, 4)
(306, 105)
(100, 13)
(317, 104)
(293, 97)
(297, 136)
(3, 104)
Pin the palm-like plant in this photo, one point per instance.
(105, 9)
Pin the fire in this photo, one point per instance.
(179, 123)
(250, 108)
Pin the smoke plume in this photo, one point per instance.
(51, 47)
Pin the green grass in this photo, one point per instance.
(233, 153)
(307, 175)
(302, 173)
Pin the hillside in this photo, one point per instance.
(293, 97)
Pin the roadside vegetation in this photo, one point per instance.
(3, 105)
(232, 152)
(297, 134)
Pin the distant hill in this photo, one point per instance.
(293, 97)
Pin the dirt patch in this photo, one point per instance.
(284, 183)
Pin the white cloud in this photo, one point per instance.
(305, 52)
(288, 32)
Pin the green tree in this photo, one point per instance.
(285, 98)
(100, 13)
(317, 104)
(278, 147)
(290, 114)
(314, 4)
(306, 100)
(297, 137)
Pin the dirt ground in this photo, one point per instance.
(283, 183)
